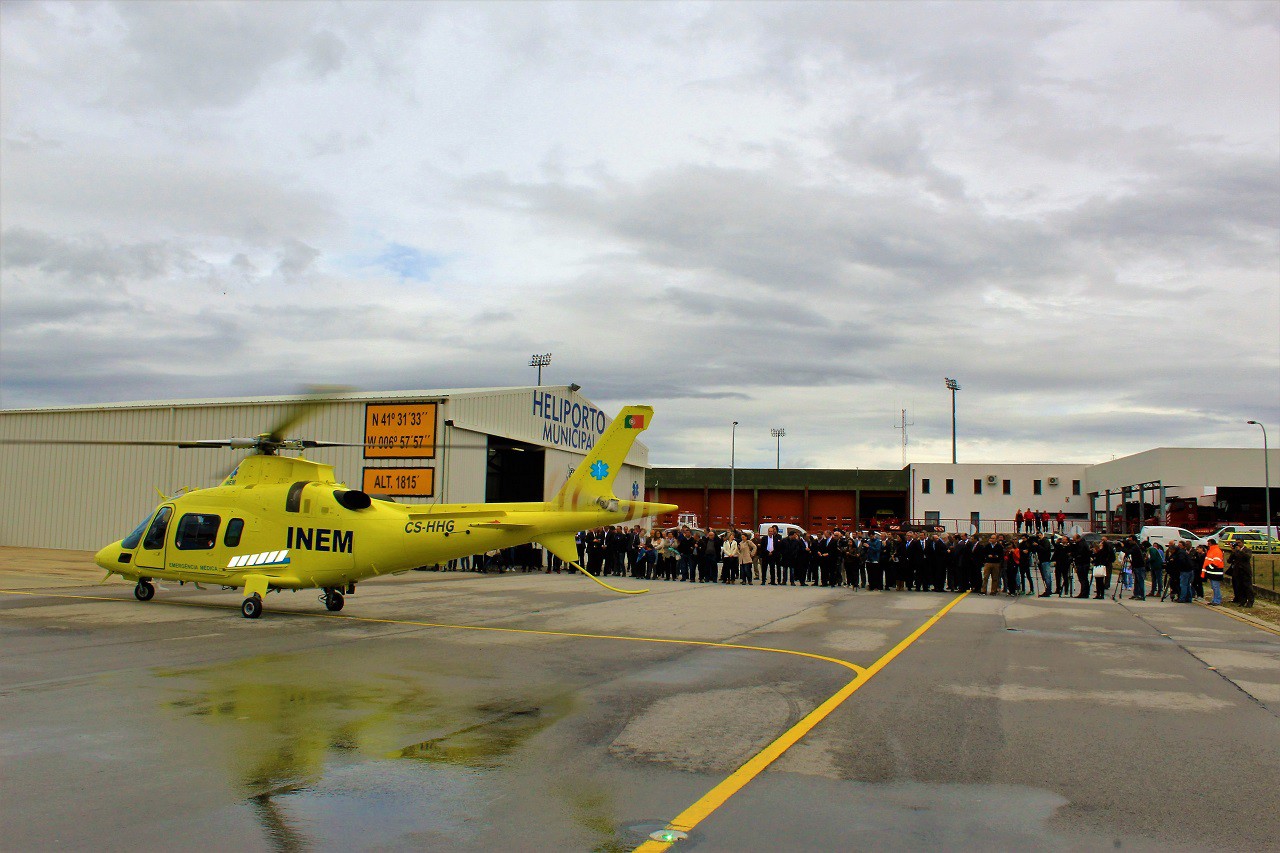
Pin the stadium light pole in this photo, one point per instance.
(733, 440)
(778, 433)
(1266, 473)
(953, 386)
(540, 361)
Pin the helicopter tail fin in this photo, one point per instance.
(592, 482)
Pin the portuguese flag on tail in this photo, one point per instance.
(633, 422)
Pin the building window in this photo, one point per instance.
(1037, 487)
(924, 486)
(977, 487)
(1075, 487)
(951, 486)
(1008, 487)
(933, 518)
(974, 520)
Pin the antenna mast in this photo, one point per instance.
(903, 427)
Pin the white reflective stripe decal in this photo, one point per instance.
(258, 559)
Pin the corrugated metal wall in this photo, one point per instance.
(85, 497)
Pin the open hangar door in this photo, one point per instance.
(883, 504)
(514, 471)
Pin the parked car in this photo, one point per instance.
(1258, 543)
(1232, 528)
(784, 529)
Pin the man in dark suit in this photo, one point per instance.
(770, 567)
(913, 560)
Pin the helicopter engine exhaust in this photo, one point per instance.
(353, 499)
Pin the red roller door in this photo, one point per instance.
(720, 508)
(781, 506)
(689, 500)
(829, 510)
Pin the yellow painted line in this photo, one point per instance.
(1225, 612)
(717, 796)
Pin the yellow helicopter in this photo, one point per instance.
(283, 522)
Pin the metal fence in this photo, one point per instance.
(1266, 571)
(1069, 526)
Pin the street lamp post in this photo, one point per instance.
(953, 386)
(540, 361)
(778, 433)
(733, 440)
(1266, 473)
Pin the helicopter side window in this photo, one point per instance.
(197, 531)
(131, 541)
(159, 527)
(234, 528)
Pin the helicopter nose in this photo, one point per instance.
(109, 557)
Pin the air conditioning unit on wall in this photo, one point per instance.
(1053, 481)
(991, 479)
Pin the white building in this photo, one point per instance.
(1226, 482)
(986, 496)
(440, 446)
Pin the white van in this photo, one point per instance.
(1164, 535)
(784, 529)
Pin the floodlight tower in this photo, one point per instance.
(778, 433)
(953, 386)
(540, 361)
(1266, 473)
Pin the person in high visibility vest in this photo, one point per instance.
(1213, 568)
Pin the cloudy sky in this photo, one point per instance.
(790, 215)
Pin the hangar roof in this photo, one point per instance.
(287, 398)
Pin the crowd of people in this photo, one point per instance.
(987, 565)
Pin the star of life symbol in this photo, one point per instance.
(635, 490)
(599, 469)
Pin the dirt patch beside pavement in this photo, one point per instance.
(25, 568)
(1263, 611)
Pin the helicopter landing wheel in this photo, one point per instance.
(144, 591)
(333, 600)
(251, 607)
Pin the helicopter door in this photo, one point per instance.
(151, 553)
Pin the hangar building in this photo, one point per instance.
(438, 446)
(813, 498)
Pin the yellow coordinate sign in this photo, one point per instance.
(400, 482)
(400, 431)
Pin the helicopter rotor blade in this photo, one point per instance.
(312, 396)
(107, 442)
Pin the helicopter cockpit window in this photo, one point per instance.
(197, 532)
(159, 527)
(132, 540)
(234, 528)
